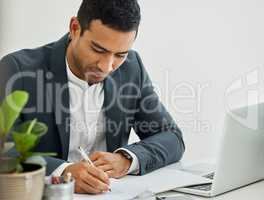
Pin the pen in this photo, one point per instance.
(86, 158)
(84, 155)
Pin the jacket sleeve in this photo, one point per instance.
(9, 76)
(11, 80)
(161, 139)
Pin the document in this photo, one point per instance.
(164, 179)
(118, 192)
(161, 180)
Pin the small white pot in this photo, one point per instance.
(23, 186)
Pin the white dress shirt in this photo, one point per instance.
(87, 122)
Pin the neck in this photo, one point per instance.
(72, 64)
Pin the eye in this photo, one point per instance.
(97, 50)
(121, 55)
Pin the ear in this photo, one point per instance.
(75, 28)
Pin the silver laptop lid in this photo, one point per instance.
(241, 157)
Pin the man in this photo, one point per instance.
(91, 90)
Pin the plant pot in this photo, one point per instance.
(28, 185)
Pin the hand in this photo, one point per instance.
(88, 179)
(114, 164)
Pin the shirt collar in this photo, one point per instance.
(76, 80)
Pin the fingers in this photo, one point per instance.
(111, 174)
(92, 182)
(96, 155)
(102, 158)
(84, 188)
(105, 168)
(88, 179)
(98, 173)
(99, 162)
(113, 163)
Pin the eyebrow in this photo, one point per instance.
(106, 50)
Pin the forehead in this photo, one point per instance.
(111, 39)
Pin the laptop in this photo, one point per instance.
(241, 157)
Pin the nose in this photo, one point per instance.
(106, 63)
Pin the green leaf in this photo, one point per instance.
(39, 129)
(44, 154)
(10, 110)
(36, 160)
(19, 168)
(32, 124)
(8, 165)
(30, 154)
(8, 146)
(24, 142)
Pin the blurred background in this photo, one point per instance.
(204, 57)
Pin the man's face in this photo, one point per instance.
(99, 51)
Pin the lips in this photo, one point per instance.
(93, 73)
(97, 75)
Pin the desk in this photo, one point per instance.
(253, 192)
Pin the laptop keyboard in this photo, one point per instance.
(204, 187)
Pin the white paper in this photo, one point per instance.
(119, 191)
(164, 180)
(158, 181)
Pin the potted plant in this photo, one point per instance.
(21, 174)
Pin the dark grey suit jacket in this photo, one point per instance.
(130, 102)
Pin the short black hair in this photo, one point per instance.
(121, 15)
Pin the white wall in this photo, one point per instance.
(194, 49)
(32, 23)
(211, 43)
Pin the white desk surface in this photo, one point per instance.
(253, 191)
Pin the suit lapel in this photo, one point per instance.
(113, 114)
(61, 92)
